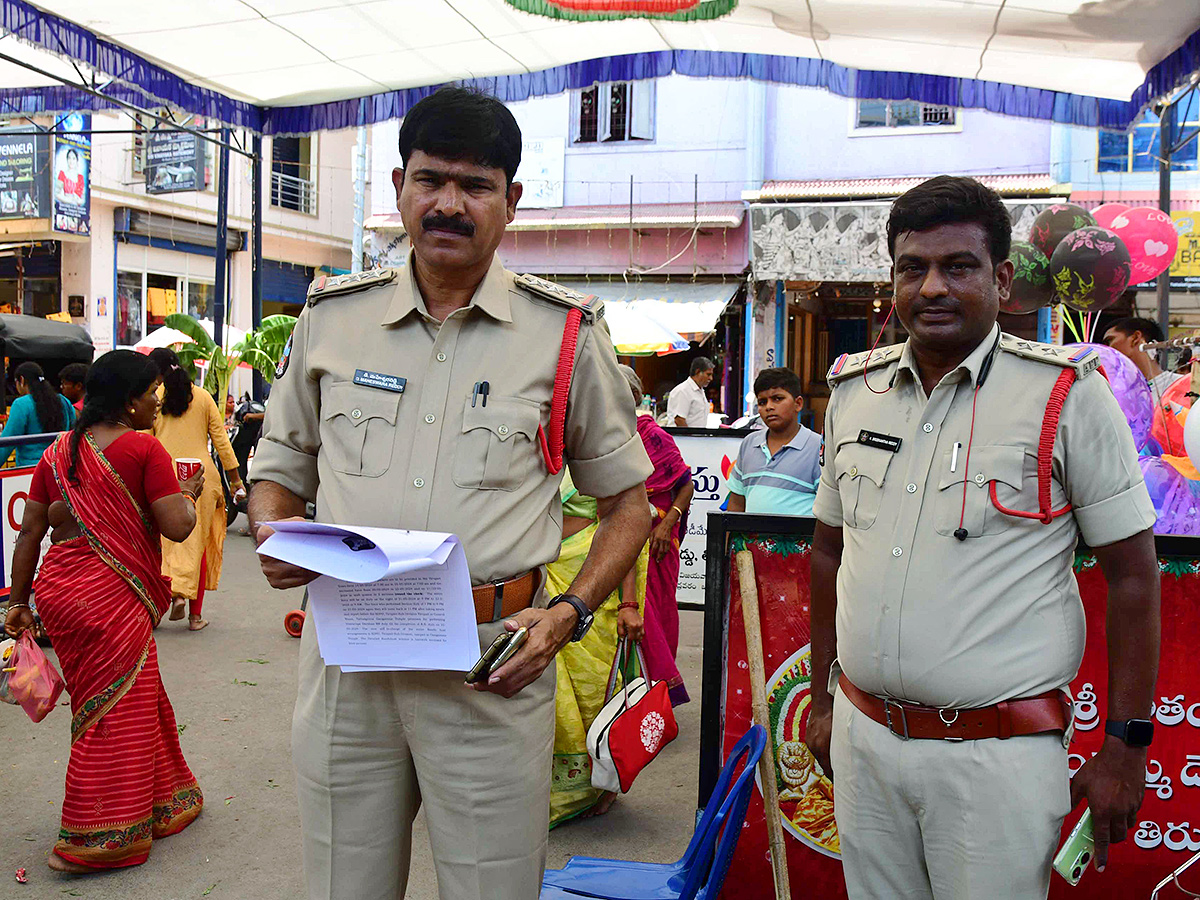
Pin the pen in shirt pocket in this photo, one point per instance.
(954, 456)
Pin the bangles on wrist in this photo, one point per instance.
(678, 510)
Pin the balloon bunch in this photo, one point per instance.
(1167, 439)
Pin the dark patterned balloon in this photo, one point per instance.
(1031, 288)
(1090, 269)
(1055, 222)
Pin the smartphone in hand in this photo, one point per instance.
(1077, 850)
(497, 654)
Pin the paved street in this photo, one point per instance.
(233, 686)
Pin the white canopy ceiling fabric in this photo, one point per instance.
(688, 308)
(288, 53)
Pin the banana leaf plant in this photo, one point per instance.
(261, 349)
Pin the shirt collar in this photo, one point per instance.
(799, 439)
(490, 297)
(970, 366)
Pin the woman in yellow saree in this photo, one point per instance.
(583, 667)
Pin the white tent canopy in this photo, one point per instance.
(280, 53)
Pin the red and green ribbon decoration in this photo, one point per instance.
(601, 10)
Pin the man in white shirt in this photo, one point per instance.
(687, 405)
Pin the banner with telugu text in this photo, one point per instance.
(1169, 821)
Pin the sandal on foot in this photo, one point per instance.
(178, 608)
(195, 623)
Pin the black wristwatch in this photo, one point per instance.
(581, 609)
(1134, 732)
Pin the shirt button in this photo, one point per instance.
(441, 357)
(356, 413)
(979, 478)
(502, 430)
(927, 427)
(912, 488)
(896, 551)
(430, 419)
(853, 471)
(418, 482)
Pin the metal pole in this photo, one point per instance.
(780, 324)
(360, 192)
(748, 346)
(256, 192)
(1166, 135)
(219, 298)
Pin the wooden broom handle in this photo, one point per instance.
(761, 714)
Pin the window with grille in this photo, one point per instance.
(903, 114)
(612, 112)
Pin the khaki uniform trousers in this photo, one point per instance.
(370, 748)
(969, 820)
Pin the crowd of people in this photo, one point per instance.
(932, 580)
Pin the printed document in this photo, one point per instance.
(387, 599)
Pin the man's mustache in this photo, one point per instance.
(444, 223)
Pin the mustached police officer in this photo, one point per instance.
(445, 396)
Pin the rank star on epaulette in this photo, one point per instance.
(325, 286)
(590, 304)
(1084, 360)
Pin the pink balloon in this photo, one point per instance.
(1106, 212)
(1151, 238)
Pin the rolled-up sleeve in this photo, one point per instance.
(827, 506)
(1099, 467)
(604, 452)
(287, 452)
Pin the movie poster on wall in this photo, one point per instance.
(23, 162)
(71, 182)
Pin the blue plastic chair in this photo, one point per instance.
(700, 872)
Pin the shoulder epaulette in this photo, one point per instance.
(849, 364)
(1084, 360)
(591, 305)
(326, 286)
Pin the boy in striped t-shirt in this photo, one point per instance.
(777, 470)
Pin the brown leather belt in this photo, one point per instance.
(501, 599)
(1029, 715)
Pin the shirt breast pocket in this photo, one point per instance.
(360, 428)
(861, 471)
(1003, 464)
(497, 450)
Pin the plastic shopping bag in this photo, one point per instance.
(8, 656)
(36, 683)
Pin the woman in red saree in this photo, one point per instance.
(670, 491)
(108, 493)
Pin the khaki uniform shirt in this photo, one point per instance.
(434, 457)
(924, 617)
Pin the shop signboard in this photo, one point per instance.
(174, 162)
(24, 160)
(1167, 831)
(72, 181)
(711, 454)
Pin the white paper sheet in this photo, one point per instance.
(403, 604)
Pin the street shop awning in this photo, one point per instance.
(32, 337)
(298, 66)
(690, 309)
(727, 214)
(839, 241)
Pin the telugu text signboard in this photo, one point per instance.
(174, 162)
(24, 160)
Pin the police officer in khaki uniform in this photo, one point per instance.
(433, 397)
(942, 580)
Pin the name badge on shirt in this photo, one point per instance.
(393, 383)
(881, 441)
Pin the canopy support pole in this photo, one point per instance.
(222, 255)
(1166, 127)
(256, 266)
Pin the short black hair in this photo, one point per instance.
(778, 378)
(76, 373)
(1148, 328)
(946, 199)
(701, 364)
(462, 124)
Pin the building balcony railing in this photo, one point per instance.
(291, 192)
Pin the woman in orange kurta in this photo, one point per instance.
(189, 419)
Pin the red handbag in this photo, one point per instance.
(632, 727)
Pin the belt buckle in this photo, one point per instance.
(888, 703)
